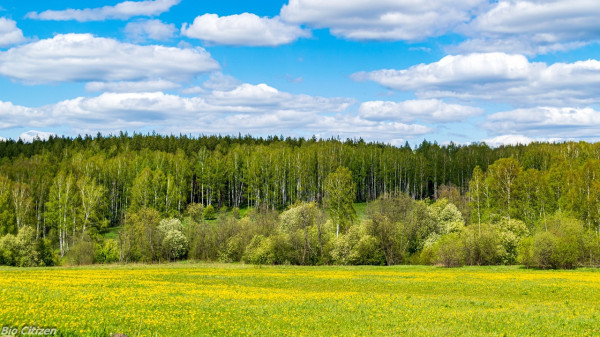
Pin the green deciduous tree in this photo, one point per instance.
(501, 178)
(92, 198)
(141, 240)
(7, 215)
(61, 209)
(174, 242)
(339, 198)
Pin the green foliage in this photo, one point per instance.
(304, 225)
(83, 252)
(591, 253)
(24, 250)
(502, 182)
(525, 251)
(141, 239)
(209, 212)
(234, 249)
(477, 195)
(449, 250)
(47, 257)
(195, 212)
(174, 242)
(236, 213)
(563, 245)
(356, 247)
(446, 217)
(108, 252)
(9, 254)
(339, 198)
(63, 188)
(7, 216)
(175, 245)
(26, 245)
(510, 233)
(543, 250)
(482, 245)
(92, 198)
(268, 250)
(259, 251)
(400, 225)
(170, 224)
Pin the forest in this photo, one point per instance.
(156, 198)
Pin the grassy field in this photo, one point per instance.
(239, 300)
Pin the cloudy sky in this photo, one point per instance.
(500, 71)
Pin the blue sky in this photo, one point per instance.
(502, 71)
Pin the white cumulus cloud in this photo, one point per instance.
(220, 81)
(32, 135)
(497, 77)
(407, 20)
(258, 109)
(533, 27)
(150, 30)
(85, 58)
(243, 30)
(16, 115)
(509, 140)
(124, 86)
(431, 111)
(9, 33)
(550, 122)
(263, 96)
(120, 11)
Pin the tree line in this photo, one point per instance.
(59, 197)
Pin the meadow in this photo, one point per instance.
(242, 300)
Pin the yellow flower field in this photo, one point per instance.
(239, 300)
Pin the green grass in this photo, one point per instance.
(112, 233)
(361, 210)
(189, 299)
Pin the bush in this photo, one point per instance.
(83, 252)
(591, 254)
(236, 213)
(526, 252)
(481, 246)
(259, 251)
(304, 226)
(428, 254)
(367, 251)
(563, 245)
(141, 239)
(23, 250)
(268, 250)
(8, 250)
(108, 252)
(447, 217)
(510, 234)
(46, 254)
(27, 254)
(543, 250)
(449, 250)
(174, 243)
(195, 212)
(357, 248)
(209, 213)
(233, 250)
